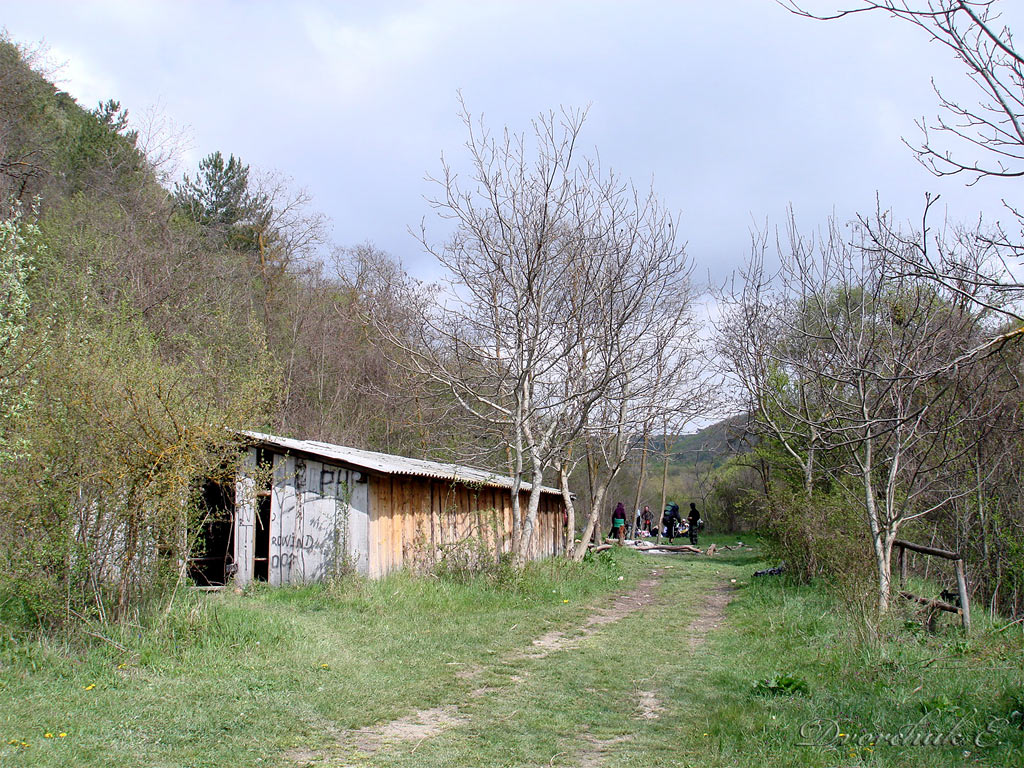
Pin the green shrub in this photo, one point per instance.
(823, 537)
(781, 685)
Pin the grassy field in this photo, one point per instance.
(429, 672)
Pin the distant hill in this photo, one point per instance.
(713, 444)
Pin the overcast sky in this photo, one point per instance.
(734, 108)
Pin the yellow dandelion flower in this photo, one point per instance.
(89, 687)
(62, 735)
(48, 735)
(324, 666)
(565, 601)
(122, 666)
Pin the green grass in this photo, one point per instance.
(239, 680)
(903, 681)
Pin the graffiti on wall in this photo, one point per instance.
(308, 539)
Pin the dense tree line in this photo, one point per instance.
(141, 325)
(881, 363)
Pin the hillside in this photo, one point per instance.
(140, 325)
(711, 445)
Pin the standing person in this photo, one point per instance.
(646, 520)
(694, 519)
(619, 522)
(670, 519)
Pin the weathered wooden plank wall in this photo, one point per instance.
(318, 516)
(413, 520)
(320, 512)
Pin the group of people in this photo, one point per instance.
(672, 524)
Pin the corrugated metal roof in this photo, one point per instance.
(390, 464)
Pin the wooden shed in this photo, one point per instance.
(301, 510)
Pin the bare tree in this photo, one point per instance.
(660, 381)
(979, 140)
(500, 337)
(748, 330)
(971, 264)
(560, 274)
(976, 268)
(163, 142)
(856, 369)
(991, 131)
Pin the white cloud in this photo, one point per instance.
(737, 109)
(77, 74)
(361, 58)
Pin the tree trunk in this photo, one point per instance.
(809, 470)
(517, 484)
(594, 506)
(880, 538)
(593, 524)
(530, 524)
(570, 509)
(664, 484)
(640, 479)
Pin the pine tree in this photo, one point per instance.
(220, 199)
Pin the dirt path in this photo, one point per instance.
(711, 615)
(421, 725)
(560, 640)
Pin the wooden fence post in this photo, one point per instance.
(961, 586)
(961, 578)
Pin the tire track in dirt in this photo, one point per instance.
(710, 616)
(629, 602)
(596, 750)
(423, 724)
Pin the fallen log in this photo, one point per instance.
(711, 550)
(599, 547)
(931, 603)
(671, 548)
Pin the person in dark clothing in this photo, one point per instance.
(646, 520)
(694, 519)
(670, 520)
(619, 522)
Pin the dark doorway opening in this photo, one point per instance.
(212, 562)
(261, 556)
